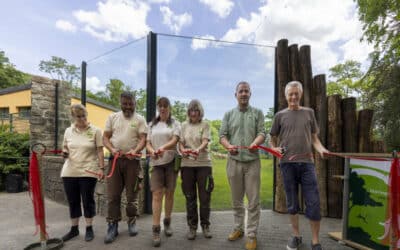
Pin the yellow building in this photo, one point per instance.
(15, 107)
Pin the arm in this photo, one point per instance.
(274, 144)
(258, 141)
(107, 143)
(318, 145)
(100, 156)
(141, 144)
(170, 144)
(224, 142)
(260, 133)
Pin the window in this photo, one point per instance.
(4, 113)
(24, 112)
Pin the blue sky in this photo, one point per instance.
(80, 30)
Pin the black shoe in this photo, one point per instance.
(71, 234)
(112, 232)
(132, 229)
(89, 236)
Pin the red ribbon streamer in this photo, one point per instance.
(36, 194)
(266, 149)
(394, 197)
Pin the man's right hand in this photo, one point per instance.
(233, 150)
(115, 151)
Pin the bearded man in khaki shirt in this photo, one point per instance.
(125, 135)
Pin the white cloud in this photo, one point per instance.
(116, 20)
(93, 84)
(221, 7)
(65, 26)
(202, 44)
(175, 22)
(331, 28)
(136, 66)
(159, 1)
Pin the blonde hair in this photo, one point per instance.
(195, 104)
(76, 108)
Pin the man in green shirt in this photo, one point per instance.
(241, 127)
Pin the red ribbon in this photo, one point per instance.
(394, 197)
(266, 149)
(36, 193)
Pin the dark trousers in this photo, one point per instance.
(125, 175)
(197, 180)
(77, 188)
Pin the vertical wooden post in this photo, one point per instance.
(305, 72)
(294, 67)
(282, 67)
(335, 165)
(318, 103)
(349, 117)
(364, 130)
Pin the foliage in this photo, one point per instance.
(9, 75)
(381, 26)
(13, 148)
(215, 146)
(58, 68)
(179, 110)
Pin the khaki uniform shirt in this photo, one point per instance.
(192, 136)
(82, 151)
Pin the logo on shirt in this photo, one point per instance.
(133, 124)
(89, 133)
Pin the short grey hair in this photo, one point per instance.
(78, 108)
(293, 84)
(195, 104)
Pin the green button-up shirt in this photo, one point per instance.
(240, 128)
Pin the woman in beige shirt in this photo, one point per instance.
(161, 145)
(196, 170)
(83, 150)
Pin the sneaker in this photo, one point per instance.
(235, 235)
(316, 246)
(191, 235)
(167, 227)
(74, 231)
(293, 243)
(132, 229)
(89, 236)
(251, 243)
(206, 232)
(156, 236)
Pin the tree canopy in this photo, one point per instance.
(9, 75)
(58, 68)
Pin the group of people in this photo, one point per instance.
(171, 145)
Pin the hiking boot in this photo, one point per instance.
(235, 235)
(73, 232)
(89, 236)
(293, 243)
(251, 243)
(316, 246)
(112, 232)
(206, 232)
(167, 227)
(156, 236)
(191, 235)
(132, 229)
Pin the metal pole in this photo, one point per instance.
(11, 121)
(392, 234)
(56, 118)
(346, 190)
(83, 83)
(151, 91)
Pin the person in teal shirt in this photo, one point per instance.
(241, 127)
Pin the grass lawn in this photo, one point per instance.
(221, 196)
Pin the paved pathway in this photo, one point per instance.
(17, 228)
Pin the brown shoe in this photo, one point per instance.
(251, 243)
(156, 236)
(236, 234)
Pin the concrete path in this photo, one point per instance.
(17, 229)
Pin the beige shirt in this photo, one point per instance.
(191, 137)
(159, 135)
(82, 151)
(125, 131)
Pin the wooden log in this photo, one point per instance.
(282, 72)
(365, 130)
(318, 103)
(349, 117)
(305, 73)
(294, 63)
(335, 164)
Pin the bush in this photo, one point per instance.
(14, 151)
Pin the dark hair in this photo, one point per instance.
(156, 119)
(127, 94)
(240, 83)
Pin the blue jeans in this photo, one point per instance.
(293, 174)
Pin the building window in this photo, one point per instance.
(4, 113)
(24, 112)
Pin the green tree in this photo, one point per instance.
(179, 110)
(9, 75)
(381, 26)
(215, 146)
(114, 89)
(58, 68)
(141, 99)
